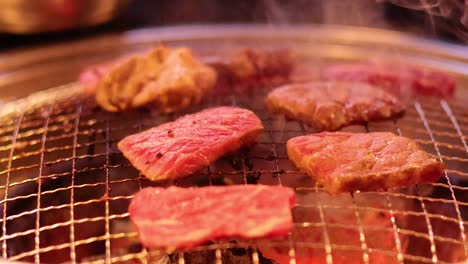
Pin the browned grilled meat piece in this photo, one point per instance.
(348, 162)
(171, 79)
(332, 105)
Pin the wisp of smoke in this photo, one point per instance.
(447, 15)
(455, 12)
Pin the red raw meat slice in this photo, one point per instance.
(398, 79)
(348, 162)
(179, 148)
(187, 217)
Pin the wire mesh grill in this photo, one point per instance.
(65, 189)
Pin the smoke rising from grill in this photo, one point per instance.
(357, 12)
(454, 12)
(443, 8)
(442, 16)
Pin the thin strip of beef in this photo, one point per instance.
(187, 217)
(179, 148)
(401, 80)
(348, 162)
(332, 105)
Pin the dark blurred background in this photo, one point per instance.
(441, 22)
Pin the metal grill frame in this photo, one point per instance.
(57, 105)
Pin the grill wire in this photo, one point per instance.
(65, 187)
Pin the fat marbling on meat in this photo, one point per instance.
(179, 148)
(187, 217)
(348, 162)
(332, 105)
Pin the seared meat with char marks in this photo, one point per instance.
(332, 105)
(348, 162)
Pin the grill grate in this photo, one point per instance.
(65, 189)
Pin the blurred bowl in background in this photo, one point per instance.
(37, 16)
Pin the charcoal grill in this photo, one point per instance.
(65, 187)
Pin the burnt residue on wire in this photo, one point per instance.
(92, 147)
(271, 156)
(277, 173)
(217, 181)
(229, 255)
(252, 177)
(235, 161)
